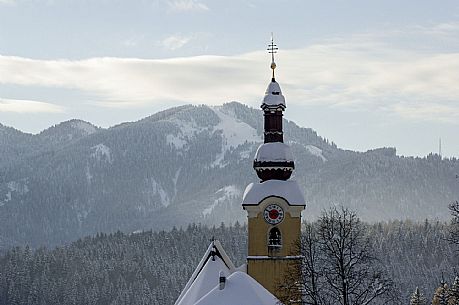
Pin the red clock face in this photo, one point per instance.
(273, 214)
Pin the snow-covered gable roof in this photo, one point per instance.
(275, 151)
(206, 275)
(240, 289)
(289, 190)
(273, 96)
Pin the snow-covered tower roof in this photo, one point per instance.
(289, 190)
(273, 97)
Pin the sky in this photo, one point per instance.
(362, 73)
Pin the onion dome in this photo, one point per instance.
(274, 161)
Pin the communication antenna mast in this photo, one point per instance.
(439, 147)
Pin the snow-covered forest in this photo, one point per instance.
(152, 267)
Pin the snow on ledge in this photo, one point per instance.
(289, 190)
(265, 257)
(276, 151)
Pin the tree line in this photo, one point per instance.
(378, 263)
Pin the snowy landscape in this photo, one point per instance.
(166, 152)
(153, 267)
(186, 166)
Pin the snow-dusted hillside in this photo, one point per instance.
(191, 164)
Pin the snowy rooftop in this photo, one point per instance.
(206, 275)
(276, 152)
(289, 190)
(273, 96)
(239, 289)
(204, 285)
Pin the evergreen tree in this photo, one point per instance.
(417, 298)
(454, 209)
(441, 296)
(454, 292)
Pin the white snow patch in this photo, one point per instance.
(158, 189)
(316, 151)
(225, 194)
(187, 129)
(102, 153)
(18, 187)
(218, 162)
(175, 179)
(81, 215)
(234, 133)
(245, 154)
(313, 150)
(178, 141)
(88, 174)
(84, 126)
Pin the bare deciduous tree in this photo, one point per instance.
(339, 266)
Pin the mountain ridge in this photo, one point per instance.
(191, 164)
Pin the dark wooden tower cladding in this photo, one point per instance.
(273, 126)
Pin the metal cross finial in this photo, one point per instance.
(272, 49)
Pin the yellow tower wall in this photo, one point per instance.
(269, 267)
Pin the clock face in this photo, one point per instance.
(273, 214)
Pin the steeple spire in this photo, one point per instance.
(272, 49)
(273, 159)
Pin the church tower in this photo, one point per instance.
(275, 203)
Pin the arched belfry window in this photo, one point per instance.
(274, 238)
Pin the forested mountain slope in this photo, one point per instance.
(153, 267)
(191, 164)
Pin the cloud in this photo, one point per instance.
(428, 112)
(26, 106)
(175, 42)
(354, 75)
(7, 2)
(187, 5)
(440, 29)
